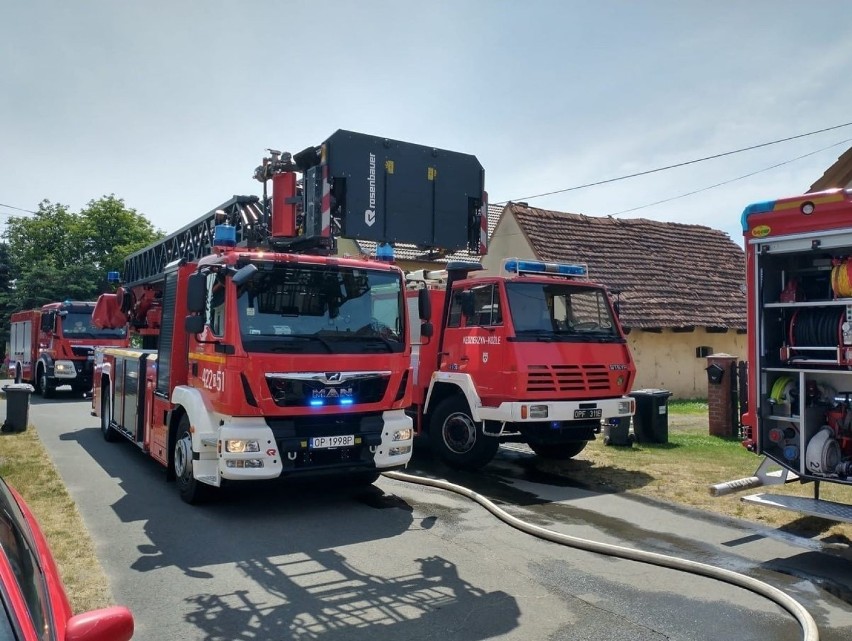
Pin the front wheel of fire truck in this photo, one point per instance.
(19, 377)
(191, 490)
(560, 451)
(458, 439)
(106, 412)
(44, 386)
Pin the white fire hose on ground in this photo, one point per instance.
(806, 621)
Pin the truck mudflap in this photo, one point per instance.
(537, 411)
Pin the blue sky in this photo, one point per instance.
(170, 105)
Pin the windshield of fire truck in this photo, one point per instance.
(561, 312)
(79, 325)
(322, 309)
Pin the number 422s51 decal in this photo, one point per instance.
(213, 379)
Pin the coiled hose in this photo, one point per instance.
(806, 621)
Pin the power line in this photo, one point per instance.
(29, 211)
(680, 164)
(727, 182)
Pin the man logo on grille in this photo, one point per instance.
(333, 377)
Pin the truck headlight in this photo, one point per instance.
(399, 450)
(538, 411)
(624, 407)
(402, 435)
(64, 369)
(254, 463)
(238, 446)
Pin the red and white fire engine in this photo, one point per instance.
(799, 323)
(55, 345)
(534, 355)
(265, 355)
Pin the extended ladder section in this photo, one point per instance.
(352, 185)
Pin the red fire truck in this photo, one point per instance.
(799, 323)
(55, 345)
(534, 355)
(263, 353)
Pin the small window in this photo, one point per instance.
(454, 319)
(486, 305)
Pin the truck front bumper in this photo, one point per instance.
(537, 411)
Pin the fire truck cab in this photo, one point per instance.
(534, 354)
(55, 345)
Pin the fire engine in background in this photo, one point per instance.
(263, 354)
(533, 355)
(799, 296)
(55, 345)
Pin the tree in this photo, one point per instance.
(108, 231)
(7, 303)
(57, 254)
(49, 232)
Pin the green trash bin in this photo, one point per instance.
(651, 420)
(17, 407)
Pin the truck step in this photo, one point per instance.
(812, 507)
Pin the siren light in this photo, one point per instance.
(517, 266)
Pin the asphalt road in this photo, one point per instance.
(399, 561)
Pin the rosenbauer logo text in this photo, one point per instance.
(370, 212)
(481, 340)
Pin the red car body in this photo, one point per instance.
(36, 607)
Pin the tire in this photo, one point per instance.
(558, 452)
(108, 431)
(44, 387)
(191, 490)
(457, 439)
(19, 377)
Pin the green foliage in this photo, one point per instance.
(57, 254)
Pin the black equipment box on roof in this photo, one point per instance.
(390, 191)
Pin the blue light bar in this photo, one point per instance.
(316, 402)
(113, 277)
(384, 252)
(346, 401)
(538, 267)
(225, 236)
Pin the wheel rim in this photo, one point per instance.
(183, 458)
(459, 433)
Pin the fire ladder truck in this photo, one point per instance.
(263, 354)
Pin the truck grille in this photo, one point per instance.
(294, 390)
(567, 378)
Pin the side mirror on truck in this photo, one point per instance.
(194, 324)
(196, 293)
(424, 305)
(427, 329)
(48, 322)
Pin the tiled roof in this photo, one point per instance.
(669, 274)
(410, 252)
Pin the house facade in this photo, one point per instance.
(680, 287)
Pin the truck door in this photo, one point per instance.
(474, 337)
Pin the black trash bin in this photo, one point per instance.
(17, 407)
(617, 431)
(651, 421)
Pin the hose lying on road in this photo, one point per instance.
(806, 621)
